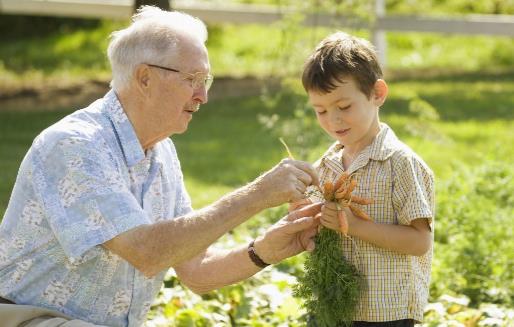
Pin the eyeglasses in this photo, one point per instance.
(198, 80)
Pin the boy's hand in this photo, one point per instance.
(329, 218)
(333, 218)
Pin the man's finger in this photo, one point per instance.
(298, 225)
(302, 176)
(297, 204)
(307, 211)
(310, 246)
(307, 168)
(307, 238)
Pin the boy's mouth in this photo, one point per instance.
(341, 132)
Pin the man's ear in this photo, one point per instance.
(380, 91)
(142, 78)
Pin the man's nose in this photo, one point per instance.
(200, 95)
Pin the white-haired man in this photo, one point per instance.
(99, 210)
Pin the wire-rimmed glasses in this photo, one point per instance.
(198, 80)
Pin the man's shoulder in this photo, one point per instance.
(84, 128)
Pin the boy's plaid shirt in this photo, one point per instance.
(402, 187)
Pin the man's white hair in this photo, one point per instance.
(154, 38)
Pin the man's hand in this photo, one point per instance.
(290, 235)
(286, 182)
(298, 204)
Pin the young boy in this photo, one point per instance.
(344, 83)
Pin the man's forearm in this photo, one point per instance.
(153, 248)
(216, 268)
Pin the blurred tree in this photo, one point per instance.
(163, 4)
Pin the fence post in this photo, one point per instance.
(378, 35)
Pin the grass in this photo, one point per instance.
(226, 146)
(78, 52)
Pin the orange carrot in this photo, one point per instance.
(352, 185)
(358, 212)
(340, 195)
(340, 182)
(328, 191)
(360, 200)
(343, 222)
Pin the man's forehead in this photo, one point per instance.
(194, 58)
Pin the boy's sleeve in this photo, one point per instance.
(413, 190)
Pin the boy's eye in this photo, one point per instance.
(321, 112)
(345, 107)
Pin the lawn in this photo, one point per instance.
(462, 125)
(451, 99)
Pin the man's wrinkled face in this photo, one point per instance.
(179, 94)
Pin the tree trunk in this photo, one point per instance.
(163, 4)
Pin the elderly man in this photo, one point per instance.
(99, 211)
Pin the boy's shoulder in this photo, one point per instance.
(401, 154)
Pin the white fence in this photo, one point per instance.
(212, 13)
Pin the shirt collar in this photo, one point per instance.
(380, 149)
(130, 146)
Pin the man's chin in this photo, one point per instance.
(181, 131)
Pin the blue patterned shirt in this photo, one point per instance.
(85, 180)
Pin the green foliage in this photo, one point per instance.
(473, 222)
(260, 302)
(409, 7)
(454, 311)
(16, 27)
(331, 285)
(460, 123)
(474, 234)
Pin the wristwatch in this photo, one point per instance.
(255, 257)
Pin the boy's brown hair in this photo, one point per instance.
(340, 55)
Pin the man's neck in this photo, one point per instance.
(132, 106)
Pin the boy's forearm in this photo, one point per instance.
(414, 239)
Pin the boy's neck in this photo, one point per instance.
(352, 151)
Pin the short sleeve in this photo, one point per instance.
(86, 198)
(184, 201)
(413, 190)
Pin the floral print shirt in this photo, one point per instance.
(85, 180)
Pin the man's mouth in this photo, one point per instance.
(192, 109)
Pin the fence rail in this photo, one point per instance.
(499, 25)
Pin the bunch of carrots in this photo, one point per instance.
(331, 285)
(341, 193)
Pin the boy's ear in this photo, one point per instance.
(380, 91)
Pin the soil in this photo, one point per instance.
(76, 95)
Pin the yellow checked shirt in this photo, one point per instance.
(402, 187)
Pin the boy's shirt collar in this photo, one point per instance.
(383, 146)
